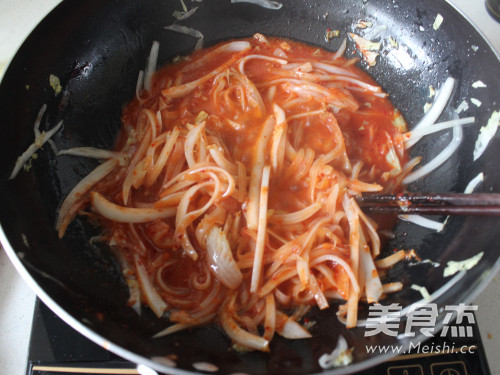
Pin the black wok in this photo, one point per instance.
(97, 47)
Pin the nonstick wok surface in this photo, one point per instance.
(97, 48)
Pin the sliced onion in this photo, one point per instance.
(439, 159)
(392, 287)
(153, 298)
(334, 69)
(123, 214)
(186, 88)
(423, 222)
(373, 285)
(172, 329)
(187, 31)
(165, 361)
(268, 4)
(220, 259)
(65, 212)
(342, 263)
(464, 106)
(139, 85)
(238, 334)
(241, 65)
(181, 16)
(289, 328)
(278, 52)
(217, 154)
(474, 183)
(151, 65)
(40, 140)
(270, 318)
(437, 108)
(340, 356)
(423, 291)
(134, 299)
(205, 366)
(341, 50)
(296, 217)
(36, 127)
(357, 82)
(391, 260)
(237, 46)
(260, 242)
(419, 133)
(90, 152)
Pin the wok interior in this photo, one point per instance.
(97, 49)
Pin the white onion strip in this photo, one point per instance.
(184, 218)
(184, 15)
(419, 133)
(90, 152)
(289, 328)
(241, 65)
(354, 81)
(66, 213)
(306, 114)
(341, 50)
(437, 108)
(337, 357)
(474, 183)
(40, 140)
(140, 85)
(373, 285)
(391, 260)
(36, 125)
(261, 230)
(268, 4)
(237, 46)
(296, 217)
(189, 177)
(187, 31)
(392, 287)
(153, 298)
(423, 222)
(354, 243)
(270, 318)
(238, 334)
(186, 88)
(153, 173)
(151, 65)
(256, 174)
(220, 259)
(278, 144)
(122, 214)
(221, 160)
(172, 329)
(434, 296)
(439, 159)
(334, 69)
(342, 263)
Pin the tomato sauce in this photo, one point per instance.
(233, 94)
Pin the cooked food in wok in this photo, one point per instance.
(230, 195)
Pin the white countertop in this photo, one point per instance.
(17, 19)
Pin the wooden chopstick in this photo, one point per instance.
(85, 370)
(485, 204)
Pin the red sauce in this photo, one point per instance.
(362, 127)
